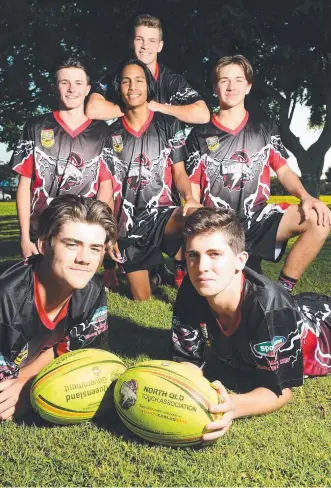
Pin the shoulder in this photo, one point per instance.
(99, 125)
(165, 72)
(39, 120)
(115, 126)
(262, 123)
(88, 296)
(15, 284)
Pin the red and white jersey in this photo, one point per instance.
(59, 160)
(233, 167)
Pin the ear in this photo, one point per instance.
(41, 246)
(248, 89)
(160, 47)
(241, 260)
(88, 89)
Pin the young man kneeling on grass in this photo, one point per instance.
(248, 332)
(52, 303)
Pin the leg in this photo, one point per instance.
(308, 245)
(139, 285)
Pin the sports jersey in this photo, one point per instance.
(171, 87)
(265, 347)
(26, 330)
(233, 167)
(140, 164)
(59, 160)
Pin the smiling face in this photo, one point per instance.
(133, 86)
(232, 86)
(74, 255)
(72, 87)
(147, 44)
(211, 263)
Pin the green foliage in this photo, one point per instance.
(287, 448)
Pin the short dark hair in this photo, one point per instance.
(207, 220)
(74, 208)
(237, 59)
(71, 63)
(147, 21)
(151, 85)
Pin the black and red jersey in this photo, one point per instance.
(265, 349)
(171, 87)
(59, 160)
(140, 164)
(26, 330)
(233, 167)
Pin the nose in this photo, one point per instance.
(203, 263)
(83, 255)
(230, 85)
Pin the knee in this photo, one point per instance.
(318, 229)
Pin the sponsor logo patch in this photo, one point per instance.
(269, 349)
(117, 143)
(47, 138)
(213, 143)
(21, 356)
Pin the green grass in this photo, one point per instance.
(287, 448)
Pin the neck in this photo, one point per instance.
(231, 117)
(137, 116)
(53, 293)
(226, 303)
(73, 118)
(152, 68)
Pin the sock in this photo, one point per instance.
(180, 271)
(287, 282)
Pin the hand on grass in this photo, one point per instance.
(215, 430)
(10, 395)
(323, 212)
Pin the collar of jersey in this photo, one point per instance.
(72, 133)
(142, 129)
(157, 72)
(226, 129)
(47, 322)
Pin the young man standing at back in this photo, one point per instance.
(52, 303)
(60, 152)
(229, 165)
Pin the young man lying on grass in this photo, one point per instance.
(241, 328)
(52, 303)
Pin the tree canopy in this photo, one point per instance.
(286, 41)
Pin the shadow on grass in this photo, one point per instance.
(129, 339)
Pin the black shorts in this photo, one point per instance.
(142, 247)
(261, 232)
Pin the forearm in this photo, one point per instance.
(259, 401)
(292, 183)
(23, 206)
(196, 191)
(37, 365)
(105, 192)
(195, 113)
(99, 108)
(183, 185)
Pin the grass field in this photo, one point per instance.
(287, 448)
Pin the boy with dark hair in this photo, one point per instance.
(53, 303)
(229, 165)
(240, 327)
(146, 161)
(60, 152)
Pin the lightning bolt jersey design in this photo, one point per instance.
(60, 161)
(278, 338)
(26, 330)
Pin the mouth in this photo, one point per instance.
(80, 270)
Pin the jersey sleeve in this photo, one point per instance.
(277, 350)
(182, 92)
(193, 164)
(104, 87)
(177, 142)
(278, 155)
(22, 160)
(187, 341)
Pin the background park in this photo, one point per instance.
(288, 43)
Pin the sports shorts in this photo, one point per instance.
(142, 247)
(261, 232)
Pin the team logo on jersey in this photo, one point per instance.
(269, 349)
(21, 356)
(47, 138)
(139, 173)
(70, 172)
(237, 170)
(117, 143)
(213, 143)
(178, 140)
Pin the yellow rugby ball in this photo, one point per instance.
(165, 402)
(76, 386)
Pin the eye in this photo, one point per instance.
(215, 255)
(71, 245)
(96, 249)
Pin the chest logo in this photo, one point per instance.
(47, 138)
(269, 349)
(117, 143)
(21, 356)
(213, 143)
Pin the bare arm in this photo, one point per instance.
(23, 210)
(293, 185)
(99, 108)
(183, 185)
(196, 192)
(14, 394)
(195, 113)
(105, 192)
